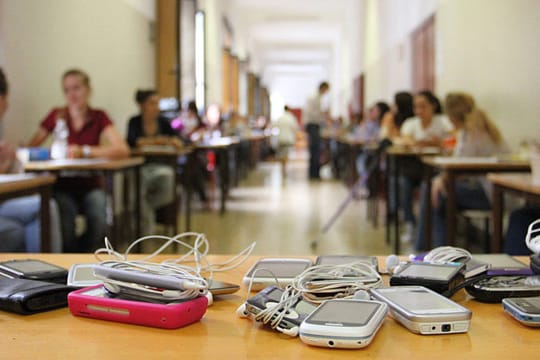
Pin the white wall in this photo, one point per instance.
(39, 40)
(488, 48)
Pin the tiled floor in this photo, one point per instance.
(285, 217)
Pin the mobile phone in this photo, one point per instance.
(34, 270)
(82, 275)
(96, 302)
(343, 323)
(503, 264)
(347, 259)
(266, 271)
(424, 311)
(495, 288)
(217, 287)
(525, 310)
(146, 278)
(440, 278)
(269, 297)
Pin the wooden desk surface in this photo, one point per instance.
(520, 182)
(476, 164)
(83, 164)
(17, 182)
(160, 151)
(223, 335)
(398, 150)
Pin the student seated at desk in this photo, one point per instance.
(20, 228)
(368, 132)
(477, 136)
(80, 193)
(393, 120)
(158, 180)
(428, 128)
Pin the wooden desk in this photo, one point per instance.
(169, 155)
(516, 184)
(221, 146)
(394, 155)
(455, 167)
(17, 185)
(106, 167)
(221, 334)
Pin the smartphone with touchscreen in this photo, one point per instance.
(266, 272)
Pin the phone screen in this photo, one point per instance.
(84, 273)
(499, 261)
(345, 259)
(435, 272)
(278, 269)
(528, 305)
(350, 313)
(31, 266)
(421, 301)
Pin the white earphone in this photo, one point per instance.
(392, 264)
(532, 240)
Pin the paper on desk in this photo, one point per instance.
(466, 160)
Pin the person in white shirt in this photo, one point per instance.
(288, 127)
(315, 114)
(477, 136)
(429, 127)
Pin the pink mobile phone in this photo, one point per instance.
(96, 302)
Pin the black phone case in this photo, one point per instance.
(23, 296)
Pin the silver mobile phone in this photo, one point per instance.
(266, 271)
(82, 275)
(343, 323)
(423, 311)
(347, 259)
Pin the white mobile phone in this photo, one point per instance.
(347, 259)
(343, 323)
(525, 310)
(423, 311)
(82, 275)
(265, 272)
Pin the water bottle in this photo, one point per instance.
(59, 148)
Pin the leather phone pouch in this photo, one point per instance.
(23, 296)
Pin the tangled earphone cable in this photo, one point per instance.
(446, 254)
(532, 239)
(322, 282)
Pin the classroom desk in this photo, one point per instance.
(516, 184)
(169, 155)
(17, 185)
(394, 155)
(221, 334)
(221, 146)
(106, 167)
(455, 167)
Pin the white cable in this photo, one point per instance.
(446, 254)
(532, 239)
(196, 253)
(322, 282)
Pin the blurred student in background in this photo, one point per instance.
(476, 136)
(428, 128)
(288, 127)
(20, 227)
(158, 180)
(91, 134)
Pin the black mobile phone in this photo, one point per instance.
(34, 270)
(495, 288)
(441, 278)
(217, 287)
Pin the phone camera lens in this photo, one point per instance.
(331, 343)
(446, 327)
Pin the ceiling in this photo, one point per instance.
(293, 39)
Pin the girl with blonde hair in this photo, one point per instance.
(476, 136)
